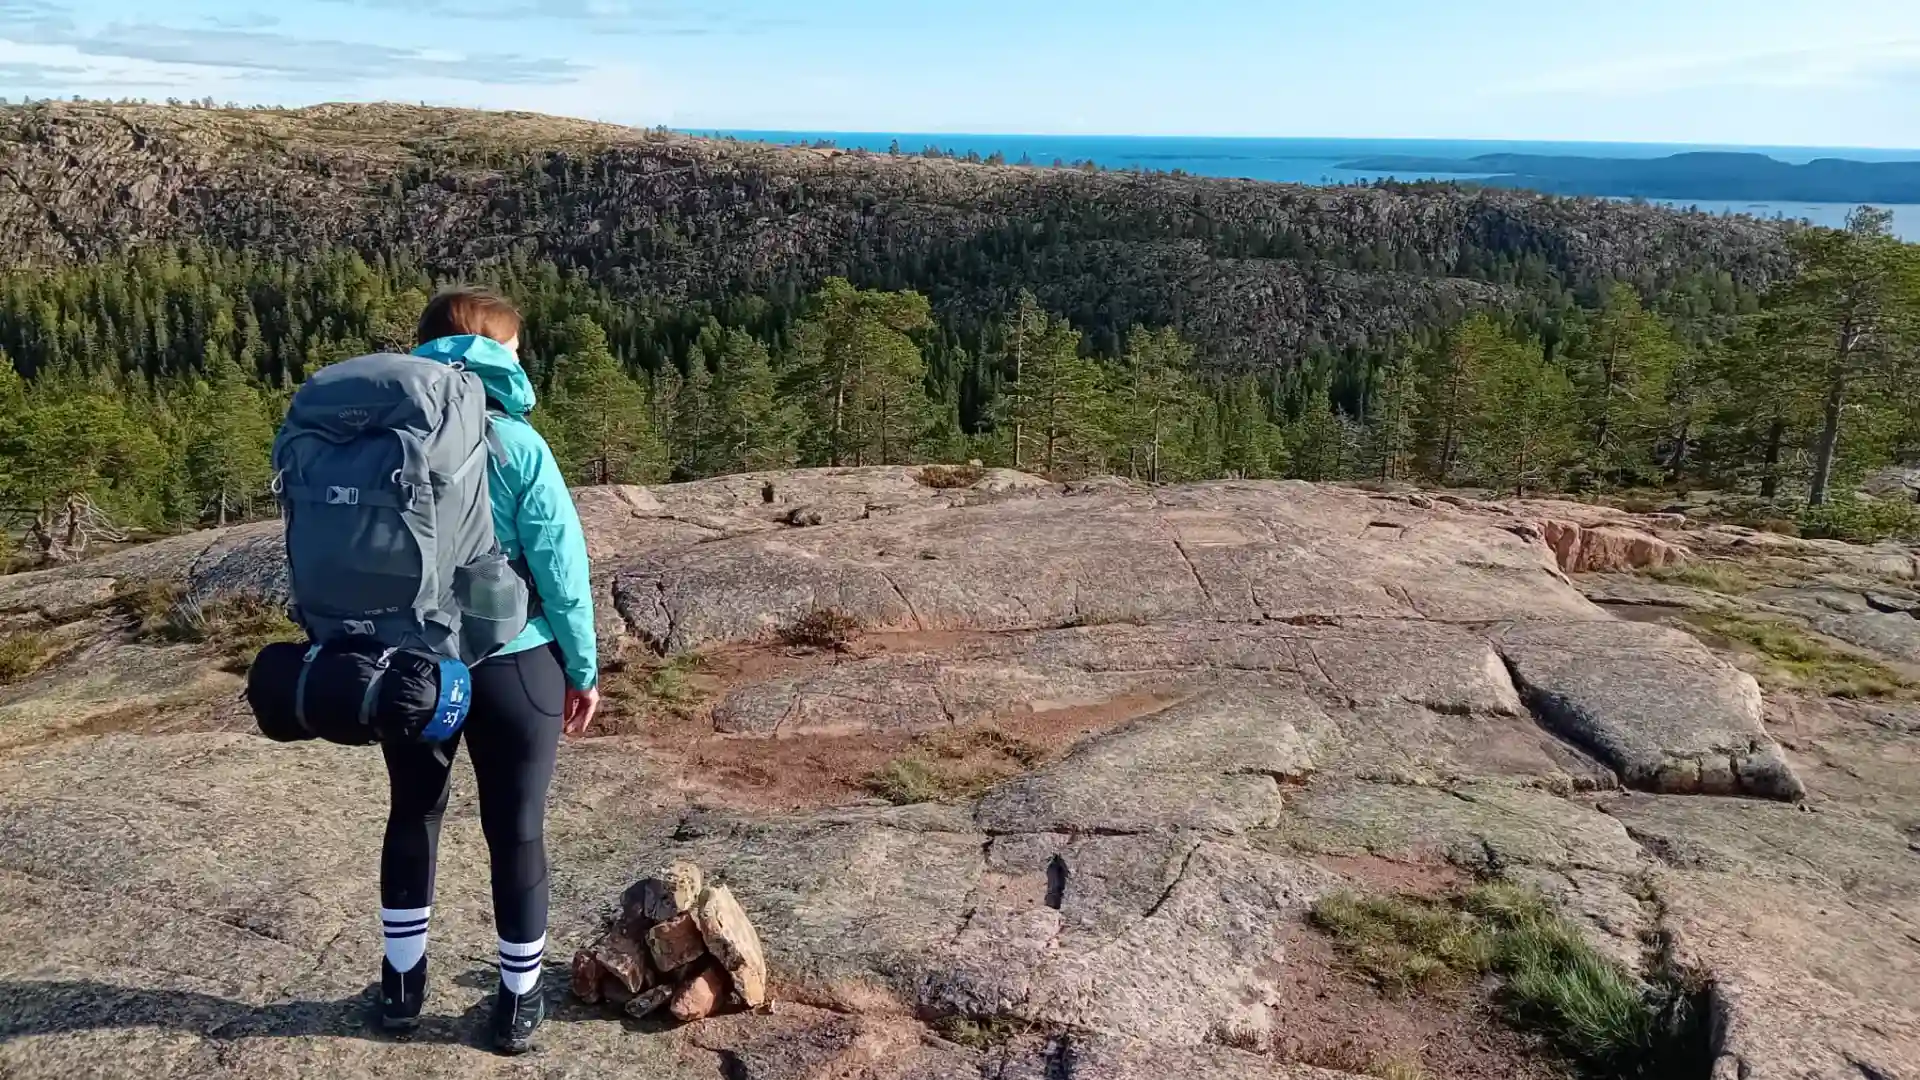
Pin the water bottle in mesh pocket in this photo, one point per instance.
(494, 605)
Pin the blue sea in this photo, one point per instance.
(1317, 161)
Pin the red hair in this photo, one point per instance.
(469, 311)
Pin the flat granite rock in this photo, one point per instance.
(1807, 921)
(1230, 551)
(1651, 702)
(1214, 762)
(1277, 690)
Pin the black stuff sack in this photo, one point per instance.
(357, 693)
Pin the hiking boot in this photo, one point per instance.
(402, 993)
(516, 1017)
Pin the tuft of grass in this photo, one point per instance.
(1720, 577)
(1861, 521)
(238, 625)
(1129, 616)
(149, 603)
(1345, 1057)
(1553, 981)
(953, 765)
(979, 1033)
(907, 780)
(1595, 1011)
(639, 693)
(21, 654)
(672, 682)
(984, 742)
(945, 477)
(1397, 1068)
(242, 626)
(824, 628)
(1794, 658)
(1404, 943)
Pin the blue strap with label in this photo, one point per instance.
(456, 697)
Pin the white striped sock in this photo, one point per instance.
(520, 964)
(405, 930)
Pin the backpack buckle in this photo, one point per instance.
(343, 496)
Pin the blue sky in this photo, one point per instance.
(1774, 72)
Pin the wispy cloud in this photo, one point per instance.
(246, 20)
(26, 73)
(259, 52)
(1852, 66)
(600, 16)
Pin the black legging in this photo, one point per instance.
(513, 734)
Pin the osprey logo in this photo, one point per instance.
(355, 417)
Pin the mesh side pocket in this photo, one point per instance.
(493, 606)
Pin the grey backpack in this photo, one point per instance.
(381, 472)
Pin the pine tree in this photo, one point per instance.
(1625, 357)
(1154, 402)
(229, 445)
(860, 375)
(752, 428)
(1844, 321)
(1764, 410)
(693, 442)
(1315, 440)
(1248, 444)
(601, 414)
(1522, 430)
(1054, 406)
(1452, 372)
(74, 455)
(1025, 330)
(1393, 413)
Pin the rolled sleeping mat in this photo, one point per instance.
(357, 694)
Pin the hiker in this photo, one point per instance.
(540, 683)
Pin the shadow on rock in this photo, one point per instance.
(57, 1007)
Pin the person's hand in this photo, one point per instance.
(581, 705)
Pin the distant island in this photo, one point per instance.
(1707, 175)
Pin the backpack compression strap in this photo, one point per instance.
(300, 689)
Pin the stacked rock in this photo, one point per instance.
(677, 944)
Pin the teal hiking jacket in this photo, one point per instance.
(533, 513)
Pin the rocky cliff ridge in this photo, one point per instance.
(1252, 271)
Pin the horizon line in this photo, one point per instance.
(709, 131)
(712, 130)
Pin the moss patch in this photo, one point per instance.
(1793, 658)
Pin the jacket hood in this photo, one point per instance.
(499, 370)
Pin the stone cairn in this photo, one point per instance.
(677, 944)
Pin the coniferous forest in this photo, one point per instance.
(698, 308)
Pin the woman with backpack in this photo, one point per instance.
(542, 683)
